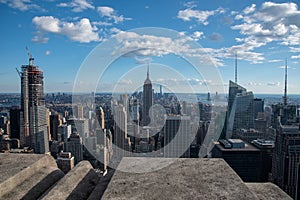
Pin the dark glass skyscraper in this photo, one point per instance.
(147, 100)
(33, 126)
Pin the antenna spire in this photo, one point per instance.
(285, 84)
(235, 73)
(148, 71)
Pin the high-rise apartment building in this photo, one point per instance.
(33, 123)
(147, 100)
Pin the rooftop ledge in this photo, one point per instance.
(30, 176)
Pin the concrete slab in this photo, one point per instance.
(182, 179)
(268, 191)
(18, 170)
(76, 184)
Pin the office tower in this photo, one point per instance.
(80, 125)
(266, 147)
(48, 123)
(54, 123)
(241, 109)
(120, 126)
(245, 159)
(287, 144)
(135, 111)
(65, 161)
(160, 90)
(102, 142)
(258, 106)
(147, 100)
(78, 111)
(75, 146)
(14, 114)
(33, 126)
(64, 132)
(286, 158)
(100, 118)
(177, 136)
(248, 135)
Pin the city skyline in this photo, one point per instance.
(61, 35)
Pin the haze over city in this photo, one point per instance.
(60, 35)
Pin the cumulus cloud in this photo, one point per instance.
(249, 9)
(271, 22)
(22, 5)
(111, 14)
(200, 15)
(77, 5)
(296, 57)
(80, 31)
(136, 45)
(197, 35)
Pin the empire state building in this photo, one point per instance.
(147, 100)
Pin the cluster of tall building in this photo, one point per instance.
(270, 138)
(260, 143)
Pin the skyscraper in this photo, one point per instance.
(33, 126)
(14, 114)
(177, 136)
(147, 100)
(100, 118)
(286, 155)
(75, 146)
(240, 108)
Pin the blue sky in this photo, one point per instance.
(61, 35)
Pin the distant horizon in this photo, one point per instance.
(277, 94)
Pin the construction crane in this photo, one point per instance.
(19, 72)
(31, 59)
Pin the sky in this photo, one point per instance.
(63, 36)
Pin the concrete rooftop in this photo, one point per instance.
(31, 176)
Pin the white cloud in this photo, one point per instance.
(272, 22)
(294, 49)
(197, 35)
(296, 57)
(151, 45)
(77, 5)
(22, 5)
(273, 61)
(111, 14)
(81, 31)
(249, 9)
(273, 84)
(47, 53)
(39, 38)
(200, 15)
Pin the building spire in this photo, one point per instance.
(235, 73)
(148, 71)
(285, 84)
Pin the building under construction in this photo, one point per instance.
(33, 130)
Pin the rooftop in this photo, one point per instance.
(31, 176)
